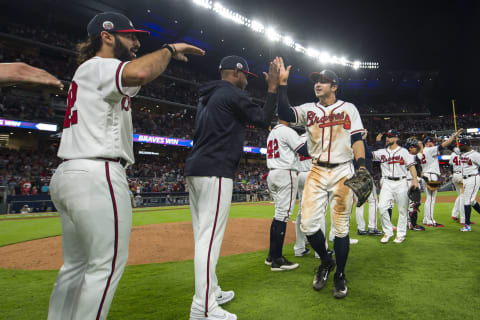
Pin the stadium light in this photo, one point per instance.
(274, 35)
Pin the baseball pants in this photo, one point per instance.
(283, 187)
(458, 207)
(210, 199)
(471, 186)
(300, 237)
(321, 185)
(394, 191)
(372, 212)
(96, 215)
(430, 201)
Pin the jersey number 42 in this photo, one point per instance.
(272, 149)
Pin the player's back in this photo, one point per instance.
(429, 160)
(282, 144)
(98, 121)
(470, 163)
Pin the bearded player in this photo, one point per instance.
(334, 136)
(90, 188)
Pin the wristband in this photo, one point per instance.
(167, 46)
(360, 162)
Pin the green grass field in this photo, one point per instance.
(432, 275)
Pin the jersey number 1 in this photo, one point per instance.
(272, 149)
(71, 117)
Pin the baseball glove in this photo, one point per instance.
(432, 185)
(361, 183)
(414, 194)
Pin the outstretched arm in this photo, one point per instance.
(285, 111)
(451, 139)
(22, 73)
(147, 68)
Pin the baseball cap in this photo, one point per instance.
(428, 139)
(392, 133)
(463, 142)
(235, 62)
(112, 22)
(324, 76)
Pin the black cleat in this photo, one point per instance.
(339, 286)
(321, 276)
(418, 228)
(282, 264)
(303, 253)
(268, 261)
(375, 232)
(362, 232)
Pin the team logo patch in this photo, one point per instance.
(239, 66)
(108, 25)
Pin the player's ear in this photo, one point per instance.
(107, 38)
(334, 87)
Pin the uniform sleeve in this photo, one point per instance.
(450, 162)
(293, 140)
(410, 159)
(377, 154)
(300, 115)
(431, 151)
(476, 158)
(251, 113)
(356, 125)
(109, 74)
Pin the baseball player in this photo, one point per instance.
(471, 180)
(22, 73)
(428, 157)
(90, 188)
(457, 179)
(334, 136)
(303, 165)
(394, 163)
(223, 111)
(413, 206)
(372, 200)
(282, 144)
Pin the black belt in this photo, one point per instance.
(470, 175)
(327, 164)
(395, 178)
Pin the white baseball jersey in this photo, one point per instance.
(394, 163)
(302, 163)
(470, 162)
(329, 129)
(413, 157)
(429, 160)
(456, 163)
(98, 120)
(282, 144)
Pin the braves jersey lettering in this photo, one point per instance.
(98, 120)
(429, 160)
(470, 162)
(329, 129)
(394, 163)
(456, 163)
(282, 144)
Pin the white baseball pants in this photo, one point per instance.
(394, 191)
(372, 212)
(300, 237)
(283, 188)
(430, 201)
(92, 199)
(210, 199)
(457, 180)
(471, 186)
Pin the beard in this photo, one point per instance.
(121, 52)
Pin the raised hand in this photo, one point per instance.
(379, 137)
(182, 49)
(284, 72)
(272, 77)
(22, 73)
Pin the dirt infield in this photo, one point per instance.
(154, 243)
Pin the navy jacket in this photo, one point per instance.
(223, 111)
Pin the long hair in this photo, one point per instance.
(88, 48)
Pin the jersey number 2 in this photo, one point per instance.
(272, 149)
(71, 117)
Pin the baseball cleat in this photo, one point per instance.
(418, 228)
(375, 232)
(362, 232)
(217, 314)
(466, 228)
(225, 296)
(340, 289)
(399, 240)
(268, 261)
(303, 253)
(353, 241)
(437, 225)
(282, 264)
(385, 239)
(321, 276)
(454, 219)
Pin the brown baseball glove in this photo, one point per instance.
(432, 185)
(361, 183)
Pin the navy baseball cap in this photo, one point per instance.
(112, 22)
(428, 139)
(235, 62)
(463, 142)
(325, 76)
(392, 133)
